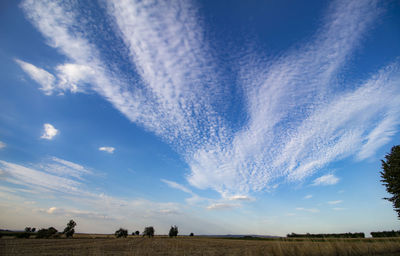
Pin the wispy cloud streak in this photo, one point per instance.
(299, 118)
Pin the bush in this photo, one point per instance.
(23, 235)
(47, 233)
(191, 234)
(386, 234)
(339, 235)
(121, 233)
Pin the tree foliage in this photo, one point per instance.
(173, 232)
(47, 233)
(390, 175)
(69, 229)
(121, 233)
(191, 234)
(148, 231)
(137, 232)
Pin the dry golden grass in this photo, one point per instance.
(196, 246)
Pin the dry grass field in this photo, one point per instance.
(197, 246)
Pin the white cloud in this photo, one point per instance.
(221, 206)
(335, 202)
(296, 120)
(312, 210)
(2, 145)
(107, 149)
(308, 196)
(49, 132)
(328, 179)
(175, 185)
(240, 198)
(338, 209)
(33, 178)
(41, 76)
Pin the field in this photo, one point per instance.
(83, 245)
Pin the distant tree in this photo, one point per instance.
(47, 233)
(148, 231)
(390, 175)
(137, 232)
(121, 233)
(28, 229)
(173, 231)
(191, 234)
(69, 229)
(33, 230)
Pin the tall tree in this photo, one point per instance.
(390, 175)
(148, 231)
(69, 229)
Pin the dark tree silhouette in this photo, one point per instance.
(137, 232)
(47, 233)
(148, 231)
(390, 175)
(191, 234)
(173, 232)
(69, 229)
(121, 233)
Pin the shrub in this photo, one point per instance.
(47, 233)
(121, 233)
(191, 234)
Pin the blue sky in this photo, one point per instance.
(258, 117)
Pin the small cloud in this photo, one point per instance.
(308, 196)
(313, 210)
(240, 198)
(107, 149)
(2, 145)
(335, 202)
(290, 214)
(49, 132)
(338, 209)
(51, 210)
(221, 206)
(328, 179)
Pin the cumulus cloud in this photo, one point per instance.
(296, 118)
(107, 149)
(49, 132)
(2, 145)
(328, 179)
(41, 76)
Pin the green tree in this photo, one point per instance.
(137, 232)
(390, 175)
(148, 231)
(121, 233)
(47, 233)
(69, 229)
(173, 232)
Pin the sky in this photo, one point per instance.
(220, 117)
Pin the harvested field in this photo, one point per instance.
(197, 246)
